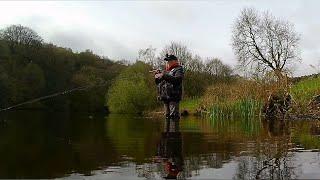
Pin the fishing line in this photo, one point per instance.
(82, 88)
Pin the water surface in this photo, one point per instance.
(35, 144)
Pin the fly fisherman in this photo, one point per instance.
(169, 84)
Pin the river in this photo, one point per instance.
(37, 144)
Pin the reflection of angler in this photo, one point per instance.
(170, 150)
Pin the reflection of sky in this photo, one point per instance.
(308, 163)
(226, 172)
(306, 166)
(120, 29)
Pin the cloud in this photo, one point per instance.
(119, 29)
(100, 44)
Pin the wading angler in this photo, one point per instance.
(169, 85)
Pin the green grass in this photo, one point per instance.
(190, 104)
(245, 109)
(245, 112)
(304, 90)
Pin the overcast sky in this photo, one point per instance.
(119, 29)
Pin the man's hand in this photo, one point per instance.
(158, 75)
(155, 71)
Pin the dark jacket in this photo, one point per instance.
(170, 85)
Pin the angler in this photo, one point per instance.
(169, 84)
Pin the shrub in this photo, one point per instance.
(132, 90)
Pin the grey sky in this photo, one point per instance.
(119, 29)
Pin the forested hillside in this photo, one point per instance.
(31, 68)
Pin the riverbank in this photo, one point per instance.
(249, 98)
(188, 106)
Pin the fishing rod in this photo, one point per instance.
(81, 88)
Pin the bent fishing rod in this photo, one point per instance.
(81, 88)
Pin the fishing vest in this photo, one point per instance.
(171, 91)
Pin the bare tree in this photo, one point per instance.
(264, 42)
(148, 56)
(195, 64)
(178, 49)
(20, 35)
(214, 66)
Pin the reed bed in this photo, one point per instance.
(243, 99)
(244, 108)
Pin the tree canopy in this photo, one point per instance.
(131, 92)
(264, 42)
(26, 74)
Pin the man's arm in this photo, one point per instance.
(177, 78)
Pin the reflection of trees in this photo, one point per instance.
(132, 138)
(270, 159)
(47, 145)
(275, 165)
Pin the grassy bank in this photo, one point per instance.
(242, 99)
(303, 92)
(190, 104)
(244, 109)
(245, 98)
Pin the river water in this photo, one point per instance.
(35, 144)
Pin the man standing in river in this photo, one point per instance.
(169, 83)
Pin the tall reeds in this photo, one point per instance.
(242, 99)
(243, 108)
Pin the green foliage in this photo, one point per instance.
(4, 51)
(196, 83)
(245, 109)
(32, 80)
(121, 129)
(4, 88)
(190, 104)
(303, 134)
(241, 98)
(131, 92)
(30, 69)
(304, 90)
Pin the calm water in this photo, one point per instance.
(80, 146)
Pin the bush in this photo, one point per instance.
(196, 83)
(132, 90)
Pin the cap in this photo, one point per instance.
(170, 57)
